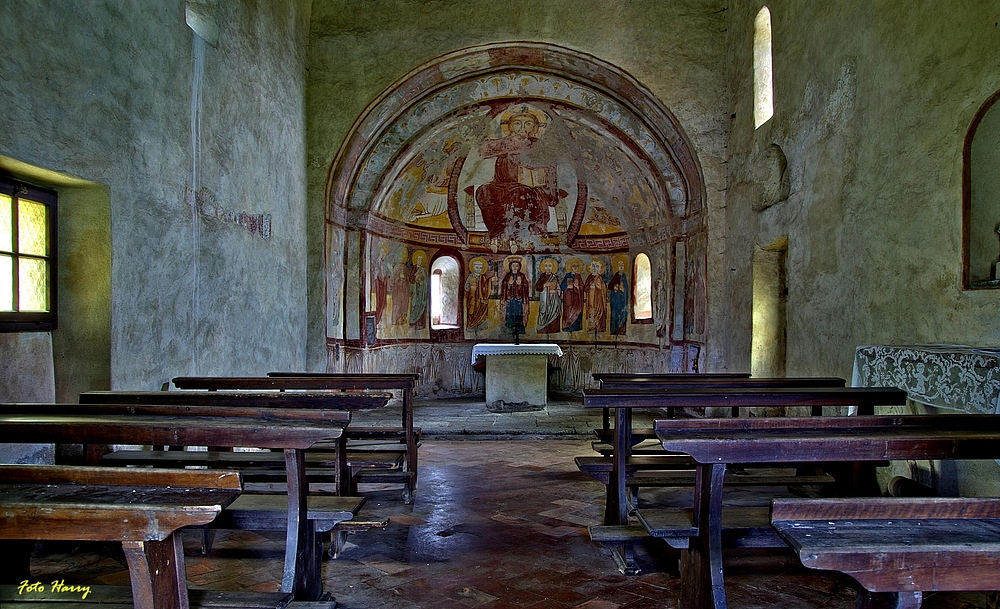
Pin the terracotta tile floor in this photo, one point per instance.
(496, 523)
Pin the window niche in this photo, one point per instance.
(444, 294)
(763, 70)
(642, 290)
(981, 199)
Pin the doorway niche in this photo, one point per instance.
(981, 199)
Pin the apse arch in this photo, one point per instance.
(524, 152)
(470, 88)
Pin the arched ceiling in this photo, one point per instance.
(468, 147)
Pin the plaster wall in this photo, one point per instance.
(674, 49)
(872, 104)
(201, 151)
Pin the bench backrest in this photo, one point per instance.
(268, 399)
(862, 438)
(884, 508)
(655, 383)
(667, 376)
(338, 418)
(282, 383)
(743, 397)
(149, 429)
(131, 477)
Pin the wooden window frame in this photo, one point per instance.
(32, 321)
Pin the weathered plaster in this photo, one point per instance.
(133, 102)
(872, 104)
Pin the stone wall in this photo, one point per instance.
(200, 150)
(872, 104)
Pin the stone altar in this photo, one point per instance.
(516, 375)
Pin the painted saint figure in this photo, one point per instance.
(572, 296)
(418, 292)
(595, 298)
(618, 296)
(519, 195)
(549, 297)
(478, 286)
(399, 289)
(514, 298)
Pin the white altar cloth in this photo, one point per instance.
(516, 375)
(484, 349)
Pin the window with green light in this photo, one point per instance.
(27, 257)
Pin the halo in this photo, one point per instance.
(617, 259)
(417, 253)
(598, 261)
(473, 261)
(571, 262)
(541, 119)
(509, 259)
(541, 263)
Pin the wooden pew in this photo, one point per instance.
(616, 533)
(716, 443)
(896, 548)
(616, 380)
(251, 404)
(139, 508)
(407, 434)
(303, 552)
(677, 382)
(335, 516)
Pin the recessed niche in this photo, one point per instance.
(981, 199)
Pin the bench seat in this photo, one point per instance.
(897, 548)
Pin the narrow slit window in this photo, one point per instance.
(642, 295)
(444, 294)
(763, 70)
(27, 257)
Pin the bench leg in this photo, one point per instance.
(303, 546)
(623, 552)
(889, 600)
(156, 570)
(338, 539)
(702, 583)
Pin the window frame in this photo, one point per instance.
(32, 321)
(763, 68)
(634, 288)
(445, 331)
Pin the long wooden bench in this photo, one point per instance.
(716, 443)
(897, 548)
(302, 565)
(264, 472)
(619, 380)
(255, 403)
(404, 439)
(141, 509)
(733, 394)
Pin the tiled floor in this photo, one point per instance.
(498, 522)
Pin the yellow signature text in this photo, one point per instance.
(58, 586)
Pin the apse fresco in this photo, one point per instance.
(537, 296)
(517, 176)
(399, 290)
(563, 197)
(547, 296)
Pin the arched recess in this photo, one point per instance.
(520, 152)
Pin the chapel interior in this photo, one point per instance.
(246, 186)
